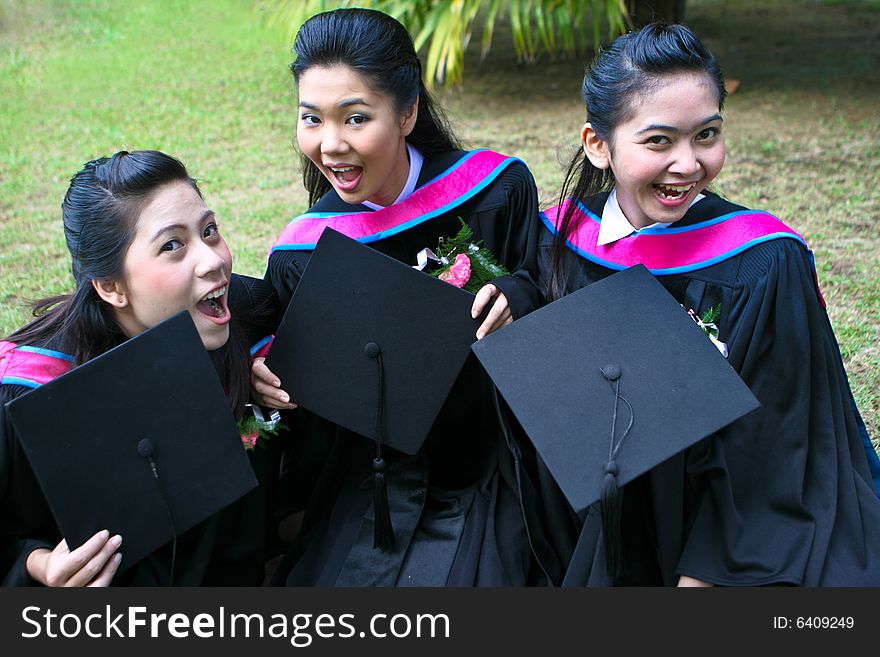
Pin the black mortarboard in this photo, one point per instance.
(612, 380)
(140, 441)
(372, 344)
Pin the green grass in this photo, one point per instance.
(208, 82)
(203, 81)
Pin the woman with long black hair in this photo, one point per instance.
(382, 166)
(143, 247)
(785, 495)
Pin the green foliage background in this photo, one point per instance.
(442, 29)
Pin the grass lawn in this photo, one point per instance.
(207, 81)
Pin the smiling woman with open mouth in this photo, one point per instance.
(144, 247)
(785, 495)
(382, 167)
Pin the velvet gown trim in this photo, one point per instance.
(672, 250)
(452, 188)
(31, 366)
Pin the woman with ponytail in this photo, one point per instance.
(382, 166)
(783, 496)
(143, 247)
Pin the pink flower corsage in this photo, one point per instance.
(459, 272)
(254, 428)
(249, 440)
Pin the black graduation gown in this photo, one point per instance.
(455, 505)
(227, 549)
(782, 496)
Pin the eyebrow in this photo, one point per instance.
(343, 104)
(670, 128)
(178, 226)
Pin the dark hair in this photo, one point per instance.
(634, 65)
(100, 211)
(380, 49)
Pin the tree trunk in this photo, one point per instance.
(643, 12)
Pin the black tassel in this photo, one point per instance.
(610, 503)
(145, 448)
(610, 506)
(383, 532)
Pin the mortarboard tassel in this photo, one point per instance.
(383, 531)
(145, 448)
(610, 506)
(610, 502)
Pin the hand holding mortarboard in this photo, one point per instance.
(373, 345)
(266, 387)
(354, 308)
(499, 311)
(140, 440)
(610, 381)
(92, 564)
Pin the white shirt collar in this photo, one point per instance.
(615, 225)
(415, 168)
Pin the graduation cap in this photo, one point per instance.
(372, 345)
(140, 441)
(609, 382)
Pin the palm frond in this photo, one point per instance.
(442, 29)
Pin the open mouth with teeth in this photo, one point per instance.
(213, 304)
(673, 192)
(346, 177)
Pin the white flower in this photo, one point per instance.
(711, 331)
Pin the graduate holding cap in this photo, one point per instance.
(382, 167)
(786, 495)
(144, 247)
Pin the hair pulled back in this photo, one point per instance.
(99, 211)
(633, 66)
(377, 47)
